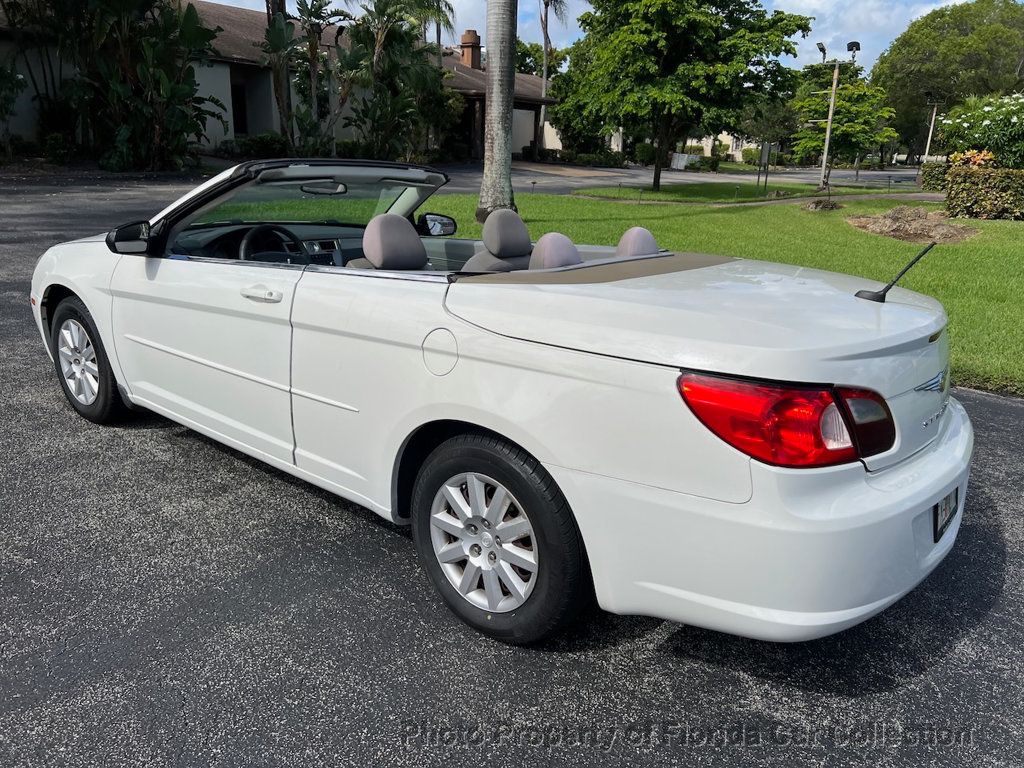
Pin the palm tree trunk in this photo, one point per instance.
(440, 53)
(544, 6)
(496, 188)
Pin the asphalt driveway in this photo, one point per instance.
(167, 601)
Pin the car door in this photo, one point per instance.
(207, 341)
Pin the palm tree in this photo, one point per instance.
(278, 44)
(442, 14)
(559, 7)
(315, 17)
(496, 187)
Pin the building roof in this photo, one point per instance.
(242, 31)
(473, 82)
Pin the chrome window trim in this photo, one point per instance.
(421, 277)
(246, 262)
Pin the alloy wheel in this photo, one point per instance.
(484, 542)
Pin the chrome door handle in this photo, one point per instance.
(260, 292)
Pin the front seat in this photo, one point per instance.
(637, 241)
(554, 250)
(507, 244)
(390, 242)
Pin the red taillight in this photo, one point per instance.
(785, 425)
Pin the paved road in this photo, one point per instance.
(166, 601)
(554, 179)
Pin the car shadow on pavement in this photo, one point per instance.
(900, 644)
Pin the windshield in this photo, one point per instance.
(305, 201)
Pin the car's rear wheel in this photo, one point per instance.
(498, 539)
(82, 366)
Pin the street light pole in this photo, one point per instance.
(828, 128)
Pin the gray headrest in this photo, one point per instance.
(637, 242)
(391, 242)
(554, 250)
(505, 234)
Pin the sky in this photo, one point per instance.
(874, 23)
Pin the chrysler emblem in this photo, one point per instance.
(936, 383)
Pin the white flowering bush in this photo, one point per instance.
(994, 123)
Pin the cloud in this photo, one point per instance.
(874, 23)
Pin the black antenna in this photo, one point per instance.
(880, 295)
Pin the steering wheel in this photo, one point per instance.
(246, 253)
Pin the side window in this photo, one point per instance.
(317, 220)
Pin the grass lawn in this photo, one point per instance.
(980, 282)
(726, 191)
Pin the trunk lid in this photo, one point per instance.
(735, 317)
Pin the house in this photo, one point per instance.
(240, 80)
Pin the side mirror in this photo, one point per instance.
(129, 238)
(436, 225)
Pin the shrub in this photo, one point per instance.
(933, 177)
(263, 146)
(752, 156)
(995, 123)
(605, 158)
(695, 149)
(644, 153)
(985, 193)
(349, 149)
(57, 149)
(567, 156)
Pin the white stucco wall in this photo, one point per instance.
(23, 122)
(552, 140)
(522, 129)
(215, 80)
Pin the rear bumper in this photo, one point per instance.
(812, 553)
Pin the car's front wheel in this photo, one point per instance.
(498, 539)
(82, 366)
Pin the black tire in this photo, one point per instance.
(562, 588)
(108, 406)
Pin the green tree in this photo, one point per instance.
(859, 125)
(580, 127)
(314, 19)
(385, 75)
(440, 13)
(974, 48)
(667, 64)
(530, 58)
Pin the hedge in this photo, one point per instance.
(644, 153)
(985, 193)
(933, 177)
(752, 155)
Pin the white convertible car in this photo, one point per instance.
(733, 444)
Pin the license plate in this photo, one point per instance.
(944, 512)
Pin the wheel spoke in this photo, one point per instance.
(470, 576)
(457, 502)
(89, 386)
(511, 580)
(477, 495)
(65, 334)
(65, 353)
(452, 552)
(492, 588)
(76, 335)
(513, 530)
(448, 524)
(91, 368)
(523, 558)
(499, 505)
